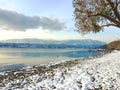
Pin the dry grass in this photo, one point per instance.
(115, 45)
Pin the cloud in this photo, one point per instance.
(10, 20)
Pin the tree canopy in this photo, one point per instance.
(94, 15)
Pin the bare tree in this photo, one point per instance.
(94, 15)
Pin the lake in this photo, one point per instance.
(20, 57)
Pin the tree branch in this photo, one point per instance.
(114, 8)
(111, 24)
(107, 17)
(111, 19)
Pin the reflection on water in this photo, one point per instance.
(11, 67)
(41, 56)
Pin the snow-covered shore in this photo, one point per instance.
(92, 74)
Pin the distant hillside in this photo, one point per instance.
(39, 43)
(115, 45)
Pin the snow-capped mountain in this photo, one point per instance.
(40, 43)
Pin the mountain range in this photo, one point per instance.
(40, 43)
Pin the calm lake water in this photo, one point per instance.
(20, 57)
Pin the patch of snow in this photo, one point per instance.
(95, 73)
(2, 73)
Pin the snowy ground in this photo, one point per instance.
(101, 73)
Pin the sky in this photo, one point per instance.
(44, 19)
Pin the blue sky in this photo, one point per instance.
(44, 19)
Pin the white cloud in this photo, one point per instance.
(10, 20)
